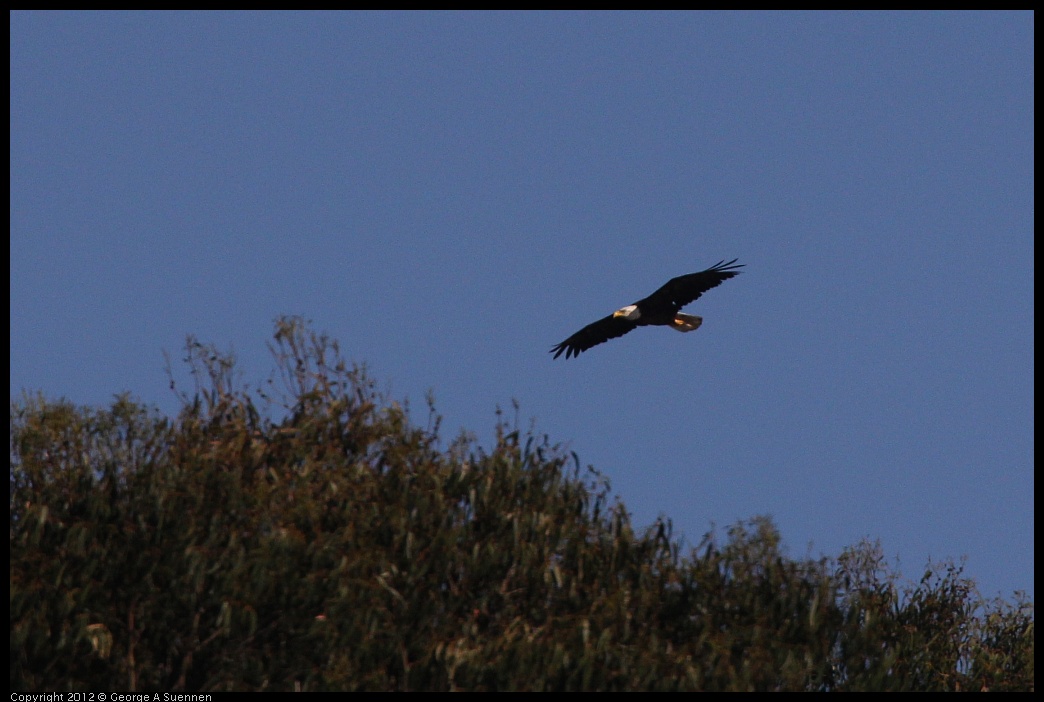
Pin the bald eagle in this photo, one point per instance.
(662, 307)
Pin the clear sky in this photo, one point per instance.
(449, 195)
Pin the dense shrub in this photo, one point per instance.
(316, 538)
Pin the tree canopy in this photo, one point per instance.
(310, 535)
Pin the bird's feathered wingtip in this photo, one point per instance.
(559, 349)
(722, 265)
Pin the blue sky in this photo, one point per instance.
(449, 195)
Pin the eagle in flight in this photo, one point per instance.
(662, 308)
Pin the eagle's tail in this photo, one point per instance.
(686, 322)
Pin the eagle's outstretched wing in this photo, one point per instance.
(684, 289)
(593, 334)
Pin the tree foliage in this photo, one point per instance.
(311, 536)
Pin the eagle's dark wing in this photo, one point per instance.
(593, 334)
(684, 289)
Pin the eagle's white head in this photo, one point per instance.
(630, 313)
